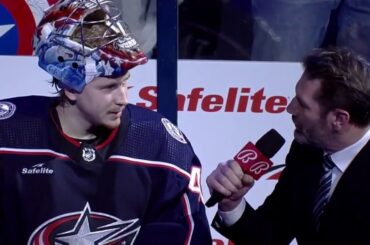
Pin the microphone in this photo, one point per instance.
(255, 159)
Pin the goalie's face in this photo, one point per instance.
(101, 102)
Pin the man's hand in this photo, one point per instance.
(228, 179)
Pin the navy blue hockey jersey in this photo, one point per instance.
(139, 186)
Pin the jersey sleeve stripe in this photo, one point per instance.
(148, 163)
(40, 152)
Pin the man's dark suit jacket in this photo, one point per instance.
(287, 212)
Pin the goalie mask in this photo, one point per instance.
(79, 40)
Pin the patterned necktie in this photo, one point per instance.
(322, 195)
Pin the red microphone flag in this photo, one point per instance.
(252, 161)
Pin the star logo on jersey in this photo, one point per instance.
(87, 228)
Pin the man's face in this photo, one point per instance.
(311, 126)
(102, 101)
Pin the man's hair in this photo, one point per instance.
(345, 82)
(63, 99)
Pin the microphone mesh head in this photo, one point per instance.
(270, 143)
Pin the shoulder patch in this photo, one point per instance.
(7, 109)
(173, 130)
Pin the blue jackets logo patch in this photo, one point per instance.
(173, 130)
(7, 110)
